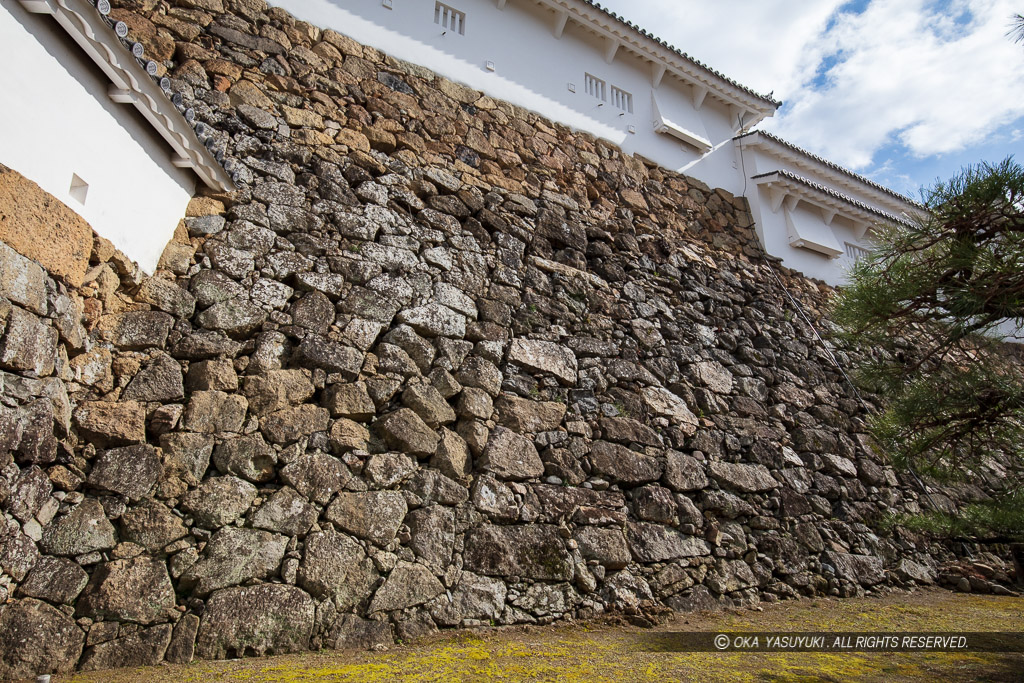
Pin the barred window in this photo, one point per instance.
(595, 87)
(450, 18)
(622, 100)
(855, 252)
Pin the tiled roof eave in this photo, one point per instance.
(799, 151)
(91, 32)
(790, 179)
(649, 43)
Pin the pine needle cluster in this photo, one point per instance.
(929, 309)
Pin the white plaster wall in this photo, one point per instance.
(771, 226)
(532, 69)
(56, 121)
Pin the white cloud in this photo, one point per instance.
(909, 75)
(933, 76)
(765, 45)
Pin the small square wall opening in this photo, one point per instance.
(79, 188)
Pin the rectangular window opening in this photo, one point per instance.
(855, 252)
(449, 18)
(595, 87)
(622, 100)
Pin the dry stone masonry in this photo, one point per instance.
(437, 363)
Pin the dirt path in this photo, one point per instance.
(597, 652)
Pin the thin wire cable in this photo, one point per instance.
(824, 345)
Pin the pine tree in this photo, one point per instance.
(926, 308)
(1017, 28)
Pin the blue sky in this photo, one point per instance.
(901, 91)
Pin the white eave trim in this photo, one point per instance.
(132, 84)
(688, 71)
(784, 154)
(781, 188)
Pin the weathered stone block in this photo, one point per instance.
(219, 501)
(407, 585)
(286, 512)
(235, 555)
(28, 345)
(234, 317)
(167, 296)
(111, 424)
(277, 389)
(351, 632)
(317, 476)
(142, 648)
(335, 566)
(433, 535)
(532, 552)
(211, 412)
(349, 400)
(55, 580)
(291, 424)
(435, 320)
(137, 590)
(452, 455)
(429, 404)
(373, 515)
(84, 529)
(684, 472)
(186, 455)
(160, 381)
(212, 375)
(528, 417)
(137, 330)
(511, 456)
(742, 477)
(656, 543)
(318, 352)
(862, 569)
(38, 639)
(182, 647)
(130, 471)
(263, 619)
(348, 435)
(624, 465)
(544, 357)
(45, 230)
(403, 430)
(249, 457)
(152, 525)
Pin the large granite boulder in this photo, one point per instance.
(533, 552)
(335, 566)
(256, 620)
(235, 555)
(37, 639)
(137, 590)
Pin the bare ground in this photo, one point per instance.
(598, 651)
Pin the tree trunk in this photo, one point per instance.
(1017, 550)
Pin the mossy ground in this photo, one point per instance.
(598, 652)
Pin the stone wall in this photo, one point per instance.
(438, 363)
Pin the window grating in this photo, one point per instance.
(449, 18)
(622, 100)
(595, 87)
(856, 253)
